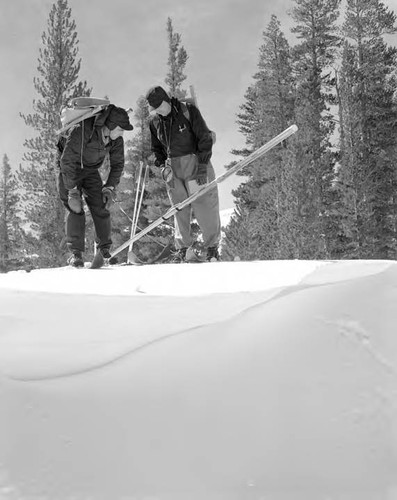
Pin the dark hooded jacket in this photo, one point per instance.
(175, 135)
(84, 147)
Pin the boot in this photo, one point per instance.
(107, 256)
(101, 258)
(213, 254)
(105, 253)
(76, 260)
(179, 256)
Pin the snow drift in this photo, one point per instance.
(259, 380)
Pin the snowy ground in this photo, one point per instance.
(225, 381)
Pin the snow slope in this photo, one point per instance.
(244, 380)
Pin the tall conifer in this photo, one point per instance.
(177, 59)
(261, 201)
(11, 250)
(367, 177)
(314, 55)
(58, 69)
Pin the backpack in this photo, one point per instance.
(80, 109)
(186, 113)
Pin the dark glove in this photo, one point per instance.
(108, 196)
(201, 176)
(74, 200)
(166, 173)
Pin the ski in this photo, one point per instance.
(207, 187)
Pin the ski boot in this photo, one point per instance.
(76, 260)
(179, 256)
(213, 254)
(101, 258)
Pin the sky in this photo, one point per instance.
(270, 380)
(124, 50)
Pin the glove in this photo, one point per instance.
(74, 200)
(166, 173)
(201, 176)
(108, 196)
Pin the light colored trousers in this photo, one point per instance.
(205, 208)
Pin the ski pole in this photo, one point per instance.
(138, 208)
(131, 257)
(138, 184)
(138, 227)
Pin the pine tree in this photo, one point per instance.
(262, 201)
(367, 180)
(11, 250)
(237, 239)
(177, 59)
(314, 55)
(57, 83)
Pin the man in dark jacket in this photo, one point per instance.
(182, 145)
(81, 153)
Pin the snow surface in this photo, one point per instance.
(216, 381)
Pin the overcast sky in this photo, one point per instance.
(123, 47)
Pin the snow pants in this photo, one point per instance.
(89, 183)
(205, 208)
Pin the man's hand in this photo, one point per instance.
(201, 176)
(108, 196)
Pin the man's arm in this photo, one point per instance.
(202, 133)
(157, 147)
(70, 158)
(116, 157)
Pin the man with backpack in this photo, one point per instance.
(82, 151)
(182, 145)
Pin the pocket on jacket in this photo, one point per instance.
(94, 153)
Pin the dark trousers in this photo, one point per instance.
(89, 183)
